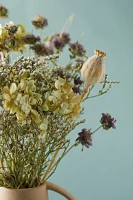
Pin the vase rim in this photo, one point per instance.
(22, 189)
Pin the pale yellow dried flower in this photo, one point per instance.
(22, 100)
(63, 100)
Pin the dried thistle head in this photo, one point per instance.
(31, 39)
(42, 50)
(76, 49)
(40, 22)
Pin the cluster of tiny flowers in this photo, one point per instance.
(58, 42)
(40, 22)
(40, 99)
(77, 49)
(42, 50)
(31, 39)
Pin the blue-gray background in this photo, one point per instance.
(104, 171)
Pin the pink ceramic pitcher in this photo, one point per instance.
(36, 193)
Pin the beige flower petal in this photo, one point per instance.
(24, 99)
(6, 96)
(32, 101)
(45, 107)
(13, 109)
(57, 94)
(43, 126)
(6, 93)
(59, 82)
(7, 105)
(18, 97)
(22, 85)
(30, 86)
(13, 88)
(64, 105)
(52, 98)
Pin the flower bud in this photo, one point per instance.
(93, 70)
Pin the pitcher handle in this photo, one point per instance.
(60, 190)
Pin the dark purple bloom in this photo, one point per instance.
(77, 89)
(85, 137)
(77, 81)
(77, 49)
(58, 43)
(42, 50)
(65, 37)
(60, 73)
(3, 12)
(107, 121)
(77, 85)
(31, 39)
(40, 22)
(80, 61)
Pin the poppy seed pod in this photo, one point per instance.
(93, 70)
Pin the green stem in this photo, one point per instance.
(2, 55)
(55, 166)
(97, 95)
(89, 92)
(74, 145)
(54, 63)
(97, 129)
(29, 51)
(41, 34)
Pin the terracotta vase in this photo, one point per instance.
(36, 193)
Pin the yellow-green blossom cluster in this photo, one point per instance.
(63, 100)
(23, 101)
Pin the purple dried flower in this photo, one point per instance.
(3, 12)
(107, 121)
(58, 43)
(42, 50)
(85, 137)
(40, 22)
(77, 49)
(77, 81)
(65, 37)
(77, 89)
(31, 39)
(79, 60)
(60, 73)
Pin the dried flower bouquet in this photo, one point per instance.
(41, 101)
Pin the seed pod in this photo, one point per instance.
(93, 70)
